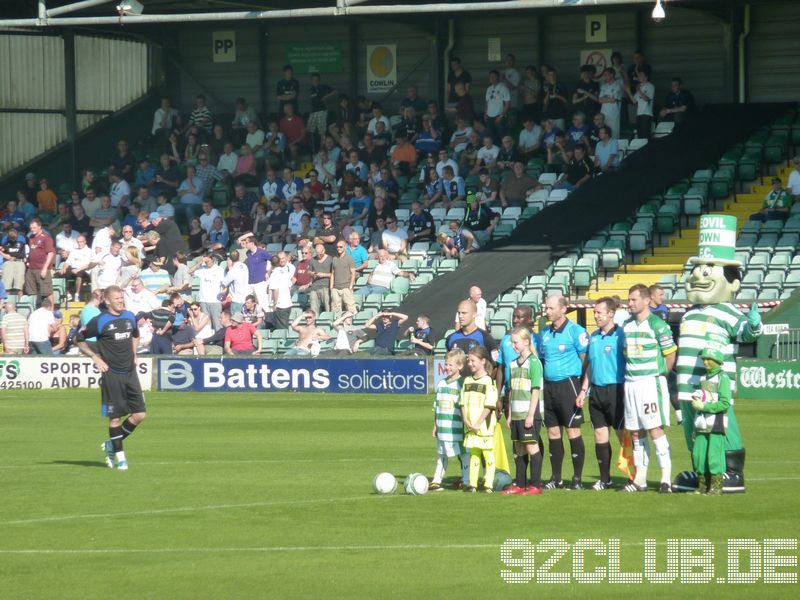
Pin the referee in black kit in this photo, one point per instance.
(120, 392)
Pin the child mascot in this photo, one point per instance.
(713, 320)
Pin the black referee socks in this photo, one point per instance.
(578, 456)
(556, 449)
(603, 452)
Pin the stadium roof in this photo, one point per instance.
(43, 13)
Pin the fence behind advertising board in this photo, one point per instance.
(376, 376)
(768, 379)
(59, 372)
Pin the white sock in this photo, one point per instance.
(646, 446)
(441, 467)
(120, 455)
(640, 461)
(664, 459)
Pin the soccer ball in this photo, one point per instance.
(384, 484)
(701, 395)
(416, 484)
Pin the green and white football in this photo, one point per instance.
(416, 484)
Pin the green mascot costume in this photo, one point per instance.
(713, 319)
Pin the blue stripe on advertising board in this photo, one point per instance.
(389, 376)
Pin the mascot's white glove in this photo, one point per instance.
(753, 317)
(697, 405)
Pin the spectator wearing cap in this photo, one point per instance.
(239, 337)
(211, 277)
(794, 180)
(169, 240)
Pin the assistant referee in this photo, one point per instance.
(120, 392)
(604, 385)
(562, 347)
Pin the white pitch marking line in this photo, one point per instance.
(208, 462)
(164, 511)
(265, 549)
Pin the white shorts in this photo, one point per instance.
(449, 449)
(646, 403)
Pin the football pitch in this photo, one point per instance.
(270, 496)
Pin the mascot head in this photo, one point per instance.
(715, 276)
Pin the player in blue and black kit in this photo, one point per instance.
(562, 348)
(469, 335)
(604, 385)
(120, 391)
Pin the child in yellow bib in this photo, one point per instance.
(478, 402)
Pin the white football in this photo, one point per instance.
(701, 395)
(416, 484)
(384, 484)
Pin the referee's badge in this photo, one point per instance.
(608, 350)
(562, 347)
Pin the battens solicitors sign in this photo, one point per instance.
(391, 376)
(59, 372)
(768, 379)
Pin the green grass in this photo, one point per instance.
(269, 496)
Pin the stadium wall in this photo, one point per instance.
(773, 50)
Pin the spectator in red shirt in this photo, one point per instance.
(38, 278)
(293, 127)
(239, 337)
(238, 223)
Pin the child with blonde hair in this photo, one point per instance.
(478, 402)
(448, 426)
(525, 415)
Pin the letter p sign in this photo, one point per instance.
(223, 46)
(595, 28)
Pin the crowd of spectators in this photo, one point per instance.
(215, 227)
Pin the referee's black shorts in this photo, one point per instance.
(121, 394)
(607, 405)
(559, 403)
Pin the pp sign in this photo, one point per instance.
(223, 46)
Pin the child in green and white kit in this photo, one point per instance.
(448, 426)
(710, 422)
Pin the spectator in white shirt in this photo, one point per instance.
(530, 139)
(295, 226)
(642, 95)
(209, 214)
(380, 282)
(394, 240)
(77, 264)
(109, 267)
(138, 299)
(120, 191)
(377, 115)
(66, 239)
(165, 119)
(236, 282)
(227, 161)
(445, 160)
(41, 325)
(211, 276)
(794, 180)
